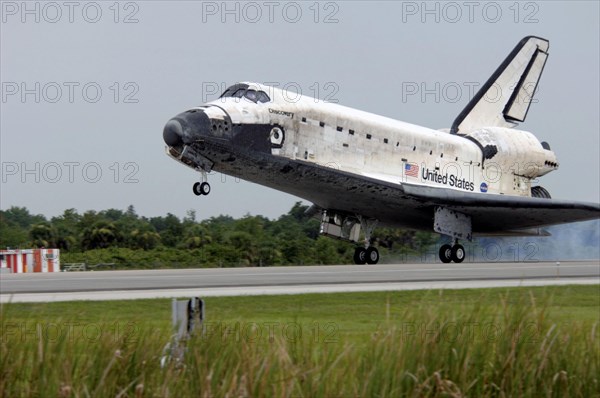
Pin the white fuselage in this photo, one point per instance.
(378, 147)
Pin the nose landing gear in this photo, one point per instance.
(203, 187)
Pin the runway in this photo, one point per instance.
(113, 285)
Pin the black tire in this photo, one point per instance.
(196, 189)
(205, 188)
(540, 192)
(360, 256)
(372, 255)
(446, 253)
(458, 253)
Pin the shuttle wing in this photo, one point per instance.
(497, 213)
(505, 98)
(413, 206)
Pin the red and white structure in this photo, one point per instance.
(30, 260)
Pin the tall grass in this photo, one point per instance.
(513, 348)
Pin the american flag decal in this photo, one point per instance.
(411, 170)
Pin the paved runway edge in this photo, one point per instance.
(285, 290)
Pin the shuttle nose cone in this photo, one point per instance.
(173, 133)
(186, 128)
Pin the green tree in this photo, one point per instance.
(101, 234)
(245, 246)
(325, 251)
(145, 240)
(21, 217)
(196, 236)
(12, 235)
(67, 226)
(190, 217)
(43, 235)
(169, 228)
(113, 214)
(88, 219)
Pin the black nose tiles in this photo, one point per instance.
(173, 133)
(186, 128)
(196, 125)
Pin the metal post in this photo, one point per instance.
(187, 316)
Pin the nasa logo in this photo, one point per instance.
(483, 187)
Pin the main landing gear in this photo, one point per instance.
(456, 225)
(201, 187)
(454, 253)
(347, 227)
(367, 254)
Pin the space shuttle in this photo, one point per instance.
(361, 170)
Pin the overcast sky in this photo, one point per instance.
(87, 87)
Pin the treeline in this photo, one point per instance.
(130, 240)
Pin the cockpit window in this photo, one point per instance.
(242, 90)
(261, 96)
(239, 93)
(257, 96)
(251, 95)
(231, 90)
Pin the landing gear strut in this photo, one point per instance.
(454, 253)
(456, 225)
(347, 227)
(367, 254)
(201, 188)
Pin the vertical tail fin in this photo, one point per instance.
(505, 98)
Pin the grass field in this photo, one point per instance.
(490, 342)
